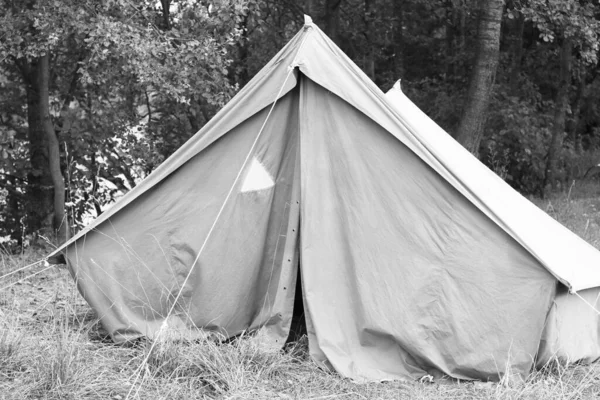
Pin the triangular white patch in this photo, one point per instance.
(257, 178)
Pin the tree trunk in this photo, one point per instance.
(60, 222)
(331, 19)
(516, 39)
(243, 75)
(39, 206)
(94, 179)
(166, 14)
(46, 186)
(573, 122)
(455, 27)
(310, 8)
(370, 53)
(562, 103)
(449, 25)
(482, 79)
(461, 32)
(398, 39)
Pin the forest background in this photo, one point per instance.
(95, 94)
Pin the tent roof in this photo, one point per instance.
(569, 258)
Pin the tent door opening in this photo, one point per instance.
(298, 324)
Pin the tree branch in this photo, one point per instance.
(149, 107)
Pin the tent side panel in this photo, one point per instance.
(132, 267)
(402, 275)
(572, 331)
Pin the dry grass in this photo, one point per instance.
(52, 347)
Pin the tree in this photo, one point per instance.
(398, 36)
(562, 105)
(516, 25)
(93, 71)
(368, 17)
(331, 19)
(30, 55)
(574, 24)
(482, 79)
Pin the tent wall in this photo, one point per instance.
(402, 275)
(572, 331)
(131, 268)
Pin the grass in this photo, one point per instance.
(52, 347)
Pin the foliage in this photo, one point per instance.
(132, 81)
(567, 18)
(125, 92)
(519, 128)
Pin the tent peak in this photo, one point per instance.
(307, 21)
(397, 85)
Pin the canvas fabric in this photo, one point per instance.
(410, 258)
(572, 330)
(401, 273)
(131, 268)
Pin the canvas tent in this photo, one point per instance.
(415, 259)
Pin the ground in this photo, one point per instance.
(52, 347)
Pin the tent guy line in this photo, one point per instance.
(25, 278)
(23, 268)
(588, 303)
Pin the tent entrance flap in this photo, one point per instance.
(275, 319)
(241, 279)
